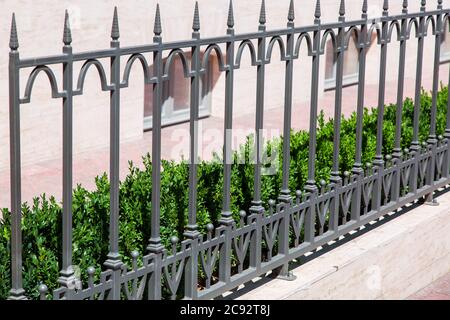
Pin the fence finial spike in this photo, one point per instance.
(67, 37)
(342, 8)
(115, 34)
(364, 7)
(423, 4)
(291, 14)
(317, 13)
(13, 39)
(230, 20)
(386, 5)
(405, 4)
(157, 30)
(439, 4)
(262, 13)
(196, 22)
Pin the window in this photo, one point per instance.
(445, 46)
(176, 95)
(351, 65)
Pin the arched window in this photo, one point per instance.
(351, 65)
(176, 94)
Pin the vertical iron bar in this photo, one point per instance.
(155, 246)
(379, 160)
(257, 210)
(415, 144)
(193, 127)
(311, 186)
(437, 53)
(357, 167)
(259, 144)
(397, 151)
(446, 165)
(432, 139)
(287, 110)
(67, 278)
(192, 232)
(285, 196)
(227, 149)
(314, 105)
(335, 176)
(227, 218)
(17, 292)
(113, 261)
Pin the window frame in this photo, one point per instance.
(444, 56)
(170, 116)
(349, 79)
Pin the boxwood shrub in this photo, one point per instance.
(41, 223)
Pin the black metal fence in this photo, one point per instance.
(347, 203)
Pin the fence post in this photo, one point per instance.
(432, 139)
(67, 277)
(379, 160)
(285, 196)
(227, 217)
(155, 246)
(336, 179)
(17, 292)
(192, 233)
(397, 151)
(415, 145)
(226, 220)
(357, 167)
(257, 207)
(446, 165)
(311, 186)
(114, 262)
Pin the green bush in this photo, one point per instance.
(41, 222)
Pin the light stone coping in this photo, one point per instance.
(391, 261)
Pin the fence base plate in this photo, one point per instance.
(432, 203)
(282, 275)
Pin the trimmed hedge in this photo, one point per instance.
(41, 222)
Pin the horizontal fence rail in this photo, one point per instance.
(314, 216)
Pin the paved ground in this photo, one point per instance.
(46, 176)
(438, 290)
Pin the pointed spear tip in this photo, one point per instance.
(115, 33)
(230, 20)
(386, 5)
(67, 37)
(157, 30)
(13, 39)
(364, 7)
(196, 22)
(405, 4)
(317, 13)
(291, 15)
(342, 8)
(262, 13)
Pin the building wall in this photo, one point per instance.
(40, 27)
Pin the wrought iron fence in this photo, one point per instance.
(347, 203)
